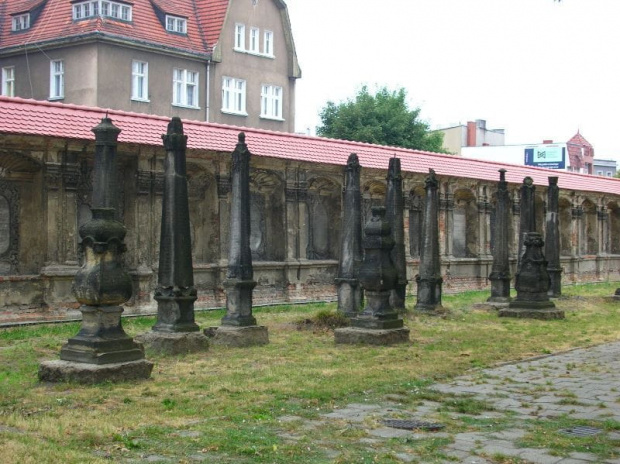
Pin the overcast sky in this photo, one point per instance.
(536, 68)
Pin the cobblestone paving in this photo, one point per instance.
(557, 389)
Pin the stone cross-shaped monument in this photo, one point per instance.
(552, 239)
(429, 280)
(394, 213)
(101, 351)
(175, 331)
(500, 272)
(239, 325)
(350, 295)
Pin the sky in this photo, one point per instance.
(539, 69)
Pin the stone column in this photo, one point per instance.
(500, 273)
(394, 214)
(350, 296)
(239, 325)
(527, 222)
(379, 323)
(429, 279)
(175, 330)
(101, 351)
(552, 239)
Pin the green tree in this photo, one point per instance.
(383, 119)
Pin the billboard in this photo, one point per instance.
(545, 156)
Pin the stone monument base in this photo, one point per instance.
(173, 343)
(491, 305)
(430, 310)
(545, 310)
(69, 371)
(357, 335)
(252, 335)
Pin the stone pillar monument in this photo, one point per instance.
(378, 324)
(350, 295)
(429, 280)
(527, 218)
(175, 331)
(500, 273)
(552, 239)
(394, 213)
(101, 351)
(239, 325)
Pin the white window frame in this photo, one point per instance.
(239, 37)
(185, 88)
(107, 8)
(268, 43)
(20, 22)
(271, 102)
(140, 80)
(176, 24)
(57, 79)
(234, 96)
(254, 40)
(8, 81)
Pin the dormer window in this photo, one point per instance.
(21, 22)
(106, 8)
(176, 24)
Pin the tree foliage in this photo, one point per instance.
(383, 119)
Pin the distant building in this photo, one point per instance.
(474, 134)
(605, 168)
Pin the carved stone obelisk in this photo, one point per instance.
(350, 295)
(394, 213)
(175, 331)
(379, 323)
(239, 325)
(500, 272)
(101, 351)
(429, 279)
(552, 239)
(527, 217)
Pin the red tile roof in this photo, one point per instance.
(205, 21)
(20, 116)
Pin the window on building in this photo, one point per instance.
(110, 9)
(57, 79)
(608, 173)
(239, 36)
(254, 40)
(185, 88)
(271, 102)
(176, 24)
(233, 95)
(8, 81)
(140, 81)
(20, 22)
(268, 43)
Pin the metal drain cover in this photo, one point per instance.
(412, 424)
(581, 431)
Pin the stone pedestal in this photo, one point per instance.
(240, 337)
(239, 303)
(361, 336)
(67, 371)
(174, 343)
(350, 296)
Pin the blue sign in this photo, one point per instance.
(546, 156)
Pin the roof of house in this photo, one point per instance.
(20, 116)
(53, 22)
(580, 150)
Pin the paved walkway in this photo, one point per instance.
(554, 396)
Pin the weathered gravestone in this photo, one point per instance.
(552, 239)
(394, 212)
(350, 295)
(429, 279)
(239, 326)
(500, 272)
(176, 331)
(379, 323)
(101, 351)
(532, 278)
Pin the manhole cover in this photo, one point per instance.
(412, 424)
(581, 431)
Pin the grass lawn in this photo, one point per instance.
(237, 405)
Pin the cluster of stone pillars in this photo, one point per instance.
(102, 351)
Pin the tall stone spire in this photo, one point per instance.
(500, 272)
(394, 214)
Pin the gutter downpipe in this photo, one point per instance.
(208, 99)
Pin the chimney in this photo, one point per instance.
(547, 142)
(471, 134)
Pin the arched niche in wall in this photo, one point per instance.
(415, 204)
(324, 219)
(267, 231)
(465, 224)
(373, 194)
(613, 210)
(589, 245)
(565, 219)
(9, 228)
(203, 217)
